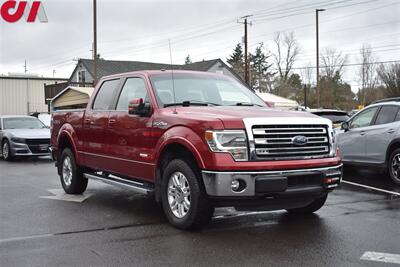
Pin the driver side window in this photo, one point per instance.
(363, 119)
(133, 88)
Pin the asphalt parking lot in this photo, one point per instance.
(40, 226)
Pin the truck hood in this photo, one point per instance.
(232, 117)
(29, 133)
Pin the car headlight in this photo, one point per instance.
(228, 141)
(18, 140)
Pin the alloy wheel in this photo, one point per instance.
(67, 171)
(179, 194)
(396, 166)
(5, 150)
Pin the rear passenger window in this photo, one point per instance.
(398, 116)
(105, 95)
(387, 114)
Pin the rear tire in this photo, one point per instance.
(394, 166)
(310, 208)
(71, 175)
(6, 150)
(184, 200)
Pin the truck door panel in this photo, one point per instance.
(131, 147)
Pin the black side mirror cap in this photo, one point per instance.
(345, 126)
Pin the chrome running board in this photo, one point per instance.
(139, 187)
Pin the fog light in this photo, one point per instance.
(235, 184)
(238, 185)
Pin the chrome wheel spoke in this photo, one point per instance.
(67, 171)
(178, 194)
(396, 166)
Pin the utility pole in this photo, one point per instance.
(317, 37)
(95, 42)
(246, 60)
(25, 68)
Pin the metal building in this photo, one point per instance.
(24, 94)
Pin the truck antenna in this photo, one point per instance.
(172, 75)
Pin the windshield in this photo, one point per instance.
(200, 88)
(335, 118)
(22, 123)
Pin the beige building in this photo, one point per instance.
(24, 94)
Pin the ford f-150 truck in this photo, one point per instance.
(196, 141)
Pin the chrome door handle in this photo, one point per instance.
(87, 121)
(362, 133)
(391, 131)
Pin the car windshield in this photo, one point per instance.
(22, 123)
(334, 117)
(202, 89)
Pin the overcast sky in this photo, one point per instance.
(139, 30)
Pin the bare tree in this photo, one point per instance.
(367, 73)
(390, 77)
(287, 50)
(333, 63)
(307, 74)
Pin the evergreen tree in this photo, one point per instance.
(236, 60)
(188, 60)
(260, 76)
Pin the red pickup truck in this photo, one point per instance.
(196, 141)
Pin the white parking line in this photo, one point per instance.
(372, 188)
(381, 257)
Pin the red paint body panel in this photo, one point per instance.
(131, 146)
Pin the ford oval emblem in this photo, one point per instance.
(299, 140)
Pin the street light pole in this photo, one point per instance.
(95, 42)
(317, 39)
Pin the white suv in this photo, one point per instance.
(372, 137)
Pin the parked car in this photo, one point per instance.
(23, 136)
(196, 141)
(336, 116)
(372, 138)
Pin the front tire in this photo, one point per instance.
(310, 208)
(184, 200)
(71, 176)
(394, 166)
(6, 150)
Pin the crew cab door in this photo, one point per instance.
(95, 124)
(353, 142)
(379, 135)
(131, 146)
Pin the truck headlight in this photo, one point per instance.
(18, 140)
(228, 141)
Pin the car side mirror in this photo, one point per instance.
(345, 126)
(138, 107)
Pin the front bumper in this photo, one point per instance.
(21, 149)
(263, 183)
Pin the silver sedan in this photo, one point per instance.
(23, 136)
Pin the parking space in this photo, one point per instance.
(40, 226)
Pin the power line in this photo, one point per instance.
(349, 65)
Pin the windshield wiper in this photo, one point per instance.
(246, 104)
(188, 103)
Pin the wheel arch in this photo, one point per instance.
(173, 150)
(392, 146)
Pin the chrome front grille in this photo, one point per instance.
(275, 142)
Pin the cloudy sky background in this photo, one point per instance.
(139, 31)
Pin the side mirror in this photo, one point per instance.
(138, 107)
(345, 126)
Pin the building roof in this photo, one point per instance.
(278, 101)
(71, 96)
(109, 67)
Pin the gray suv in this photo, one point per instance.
(372, 138)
